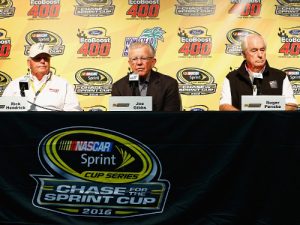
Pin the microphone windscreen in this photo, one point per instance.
(133, 77)
(23, 84)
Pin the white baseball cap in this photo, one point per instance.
(39, 48)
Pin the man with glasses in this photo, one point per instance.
(162, 88)
(43, 90)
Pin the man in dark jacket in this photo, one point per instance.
(162, 88)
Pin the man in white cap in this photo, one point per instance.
(42, 89)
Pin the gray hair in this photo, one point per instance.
(142, 44)
(244, 43)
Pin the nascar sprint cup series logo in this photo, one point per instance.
(47, 37)
(94, 8)
(195, 8)
(5, 44)
(4, 81)
(93, 82)
(235, 37)
(288, 8)
(293, 74)
(100, 173)
(6, 9)
(196, 108)
(44, 9)
(195, 81)
(246, 8)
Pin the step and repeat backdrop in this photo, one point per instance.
(197, 41)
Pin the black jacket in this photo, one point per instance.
(162, 88)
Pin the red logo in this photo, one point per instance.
(246, 9)
(5, 44)
(44, 9)
(144, 9)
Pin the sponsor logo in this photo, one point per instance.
(93, 82)
(45, 36)
(95, 172)
(288, 8)
(4, 81)
(290, 39)
(143, 9)
(195, 8)
(6, 9)
(195, 81)
(94, 43)
(95, 108)
(235, 37)
(196, 108)
(94, 8)
(293, 74)
(246, 8)
(151, 36)
(5, 44)
(195, 42)
(121, 105)
(44, 9)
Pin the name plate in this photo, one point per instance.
(13, 104)
(130, 103)
(263, 103)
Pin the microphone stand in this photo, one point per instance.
(23, 84)
(257, 82)
(22, 92)
(134, 88)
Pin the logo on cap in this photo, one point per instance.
(39, 48)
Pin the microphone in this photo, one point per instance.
(23, 84)
(257, 83)
(133, 77)
(257, 80)
(133, 83)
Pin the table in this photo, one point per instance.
(189, 168)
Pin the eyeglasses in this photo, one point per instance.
(39, 58)
(143, 59)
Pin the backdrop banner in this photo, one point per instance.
(197, 42)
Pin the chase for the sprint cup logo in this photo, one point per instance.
(96, 172)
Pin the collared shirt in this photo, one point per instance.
(55, 93)
(143, 85)
(253, 75)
